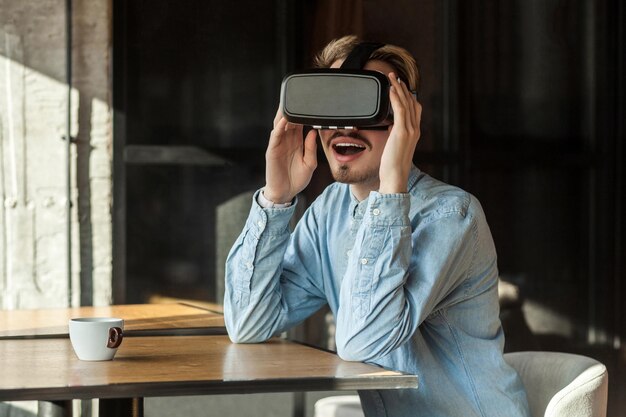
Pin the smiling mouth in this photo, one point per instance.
(348, 148)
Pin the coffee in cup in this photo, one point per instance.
(96, 338)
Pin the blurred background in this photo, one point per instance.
(168, 106)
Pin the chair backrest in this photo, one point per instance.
(562, 384)
(339, 406)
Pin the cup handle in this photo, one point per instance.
(115, 337)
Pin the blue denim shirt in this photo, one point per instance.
(411, 280)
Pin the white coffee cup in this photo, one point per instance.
(96, 338)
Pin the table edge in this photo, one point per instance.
(184, 388)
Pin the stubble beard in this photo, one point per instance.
(346, 175)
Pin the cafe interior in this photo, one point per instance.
(523, 106)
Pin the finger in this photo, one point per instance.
(412, 108)
(278, 116)
(310, 149)
(418, 115)
(408, 99)
(292, 126)
(404, 111)
(397, 86)
(410, 102)
(279, 129)
(398, 107)
(416, 108)
(280, 123)
(406, 117)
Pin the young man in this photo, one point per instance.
(405, 262)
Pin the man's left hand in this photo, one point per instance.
(397, 158)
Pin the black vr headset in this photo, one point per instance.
(338, 98)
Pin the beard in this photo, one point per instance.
(347, 175)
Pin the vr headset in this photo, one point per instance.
(339, 98)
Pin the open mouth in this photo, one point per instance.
(348, 148)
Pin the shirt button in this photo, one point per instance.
(260, 224)
(249, 265)
(376, 212)
(364, 261)
(349, 253)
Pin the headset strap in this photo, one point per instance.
(360, 55)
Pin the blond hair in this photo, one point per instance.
(397, 57)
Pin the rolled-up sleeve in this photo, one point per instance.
(400, 273)
(257, 299)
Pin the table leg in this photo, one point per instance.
(299, 404)
(121, 407)
(54, 409)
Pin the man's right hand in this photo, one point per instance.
(289, 161)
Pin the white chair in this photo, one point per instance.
(339, 406)
(557, 385)
(562, 384)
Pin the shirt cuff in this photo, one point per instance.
(388, 209)
(265, 203)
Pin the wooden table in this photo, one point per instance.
(139, 319)
(46, 368)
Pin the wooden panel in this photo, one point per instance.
(47, 369)
(54, 322)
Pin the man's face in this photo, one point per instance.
(354, 155)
